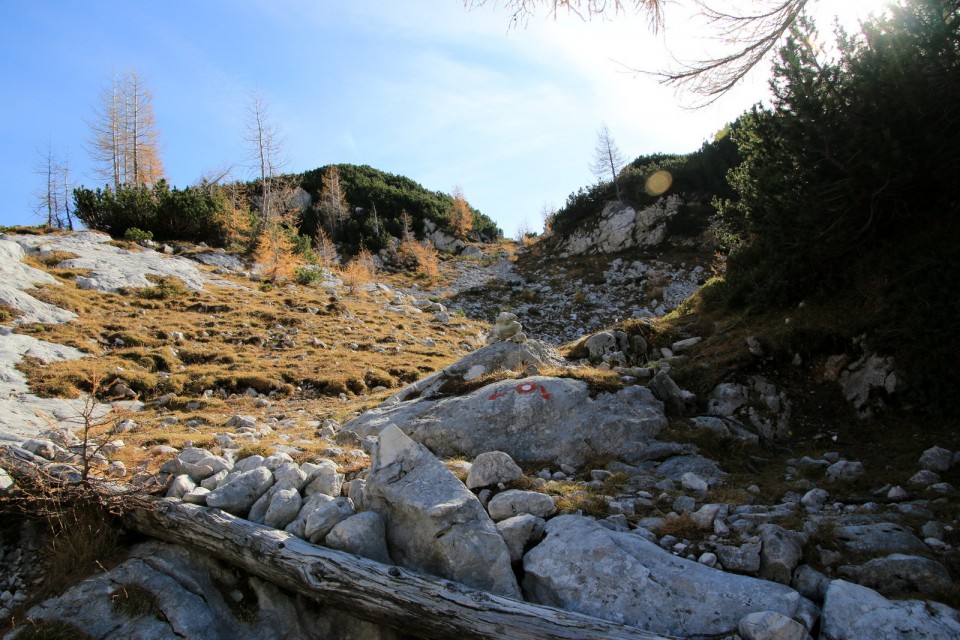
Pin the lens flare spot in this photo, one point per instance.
(659, 182)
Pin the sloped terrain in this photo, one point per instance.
(657, 449)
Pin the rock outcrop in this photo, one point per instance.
(621, 576)
(433, 523)
(621, 227)
(533, 419)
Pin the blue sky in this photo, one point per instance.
(422, 88)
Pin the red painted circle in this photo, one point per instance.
(526, 387)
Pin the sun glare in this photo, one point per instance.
(849, 13)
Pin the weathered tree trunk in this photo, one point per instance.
(409, 602)
(394, 597)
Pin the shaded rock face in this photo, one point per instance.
(624, 578)
(852, 612)
(176, 594)
(434, 523)
(533, 419)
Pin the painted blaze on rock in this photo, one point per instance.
(533, 420)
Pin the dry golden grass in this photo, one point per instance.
(314, 355)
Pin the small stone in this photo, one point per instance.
(707, 558)
(693, 482)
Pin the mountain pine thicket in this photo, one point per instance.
(842, 189)
(848, 188)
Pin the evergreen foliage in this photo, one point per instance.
(699, 176)
(191, 214)
(848, 186)
(377, 200)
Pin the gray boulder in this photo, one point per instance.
(853, 612)
(770, 625)
(283, 508)
(515, 502)
(299, 524)
(326, 517)
(845, 471)
(780, 552)
(622, 577)
(197, 463)
(667, 391)
(745, 559)
(492, 468)
(238, 494)
(434, 523)
(520, 531)
(323, 478)
(363, 534)
(936, 459)
(180, 486)
(878, 539)
(899, 573)
(5, 480)
(533, 419)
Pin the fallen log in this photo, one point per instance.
(409, 602)
(412, 603)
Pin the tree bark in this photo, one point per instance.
(414, 604)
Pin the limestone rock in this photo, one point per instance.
(667, 391)
(845, 471)
(534, 419)
(324, 478)
(326, 517)
(181, 485)
(899, 573)
(743, 559)
(434, 524)
(936, 459)
(362, 534)
(620, 227)
(238, 494)
(299, 524)
(853, 612)
(866, 379)
(780, 553)
(492, 468)
(505, 328)
(507, 356)
(878, 539)
(5, 480)
(515, 502)
(283, 509)
(770, 625)
(584, 567)
(520, 531)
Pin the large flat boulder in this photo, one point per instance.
(536, 419)
(584, 567)
(853, 612)
(434, 524)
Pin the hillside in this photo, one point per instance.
(763, 484)
(359, 208)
